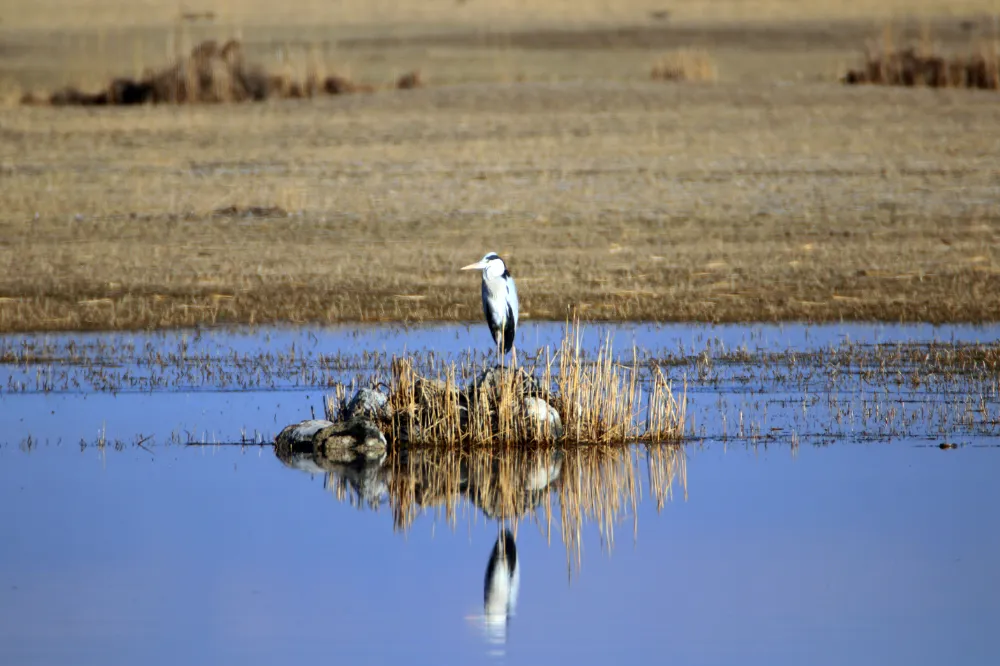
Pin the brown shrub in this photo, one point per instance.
(337, 85)
(210, 74)
(70, 96)
(410, 80)
(34, 99)
(127, 92)
(910, 67)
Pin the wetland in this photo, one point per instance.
(831, 498)
(786, 290)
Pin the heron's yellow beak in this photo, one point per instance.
(478, 266)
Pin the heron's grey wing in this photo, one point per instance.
(493, 310)
(512, 298)
(508, 329)
(510, 321)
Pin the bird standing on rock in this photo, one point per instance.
(499, 300)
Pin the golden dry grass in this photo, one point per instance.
(412, 14)
(619, 201)
(774, 194)
(599, 400)
(53, 43)
(685, 65)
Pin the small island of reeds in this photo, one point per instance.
(563, 397)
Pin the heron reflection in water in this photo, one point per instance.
(503, 576)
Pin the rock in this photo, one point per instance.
(542, 418)
(341, 442)
(409, 431)
(489, 380)
(432, 392)
(347, 440)
(369, 404)
(301, 433)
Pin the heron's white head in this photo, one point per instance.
(491, 265)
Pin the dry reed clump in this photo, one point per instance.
(685, 65)
(212, 74)
(601, 400)
(915, 66)
(568, 399)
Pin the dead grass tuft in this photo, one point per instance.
(786, 219)
(923, 65)
(685, 65)
(210, 74)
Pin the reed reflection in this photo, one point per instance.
(556, 488)
(561, 489)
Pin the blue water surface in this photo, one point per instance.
(855, 552)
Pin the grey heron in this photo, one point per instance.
(499, 300)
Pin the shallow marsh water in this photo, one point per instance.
(810, 516)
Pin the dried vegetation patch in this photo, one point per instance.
(212, 74)
(614, 196)
(567, 397)
(685, 65)
(976, 65)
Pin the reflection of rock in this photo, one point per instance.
(506, 493)
(503, 577)
(502, 487)
(366, 477)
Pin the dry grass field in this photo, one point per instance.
(769, 192)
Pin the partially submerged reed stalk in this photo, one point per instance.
(601, 400)
(589, 400)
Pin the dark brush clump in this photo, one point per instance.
(210, 74)
(910, 68)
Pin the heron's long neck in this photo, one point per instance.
(494, 285)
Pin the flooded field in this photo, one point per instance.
(833, 500)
